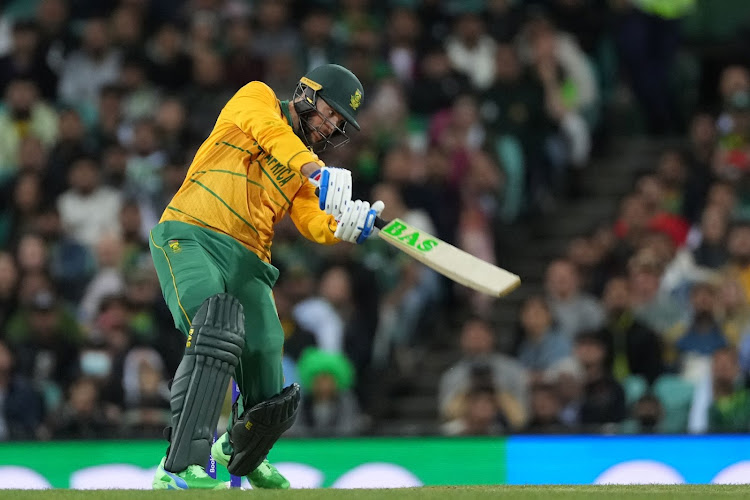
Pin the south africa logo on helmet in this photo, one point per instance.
(339, 87)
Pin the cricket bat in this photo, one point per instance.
(460, 266)
(452, 262)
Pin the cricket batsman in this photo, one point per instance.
(212, 252)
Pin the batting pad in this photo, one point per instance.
(255, 432)
(212, 351)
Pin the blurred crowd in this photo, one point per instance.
(477, 115)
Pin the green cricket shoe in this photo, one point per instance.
(194, 477)
(265, 476)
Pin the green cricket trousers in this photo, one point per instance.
(194, 263)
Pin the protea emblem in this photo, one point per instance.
(356, 100)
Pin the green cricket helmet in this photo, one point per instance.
(338, 87)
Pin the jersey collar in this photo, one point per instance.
(285, 111)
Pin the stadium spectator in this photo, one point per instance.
(731, 160)
(82, 415)
(513, 110)
(573, 310)
(657, 310)
(95, 64)
(711, 252)
(402, 39)
(140, 96)
(134, 238)
(71, 264)
(275, 35)
(109, 123)
(570, 91)
(437, 83)
(53, 18)
(648, 37)
(633, 347)
(22, 207)
(108, 280)
(704, 336)
(88, 208)
(326, 313)
(480, 415)
(328, 407)
(146, 394)
(568, 378)
(646, 416)
(586, 255)
(73, 143)
(144, 165)
(169, 64)
(699, 154)
(150, 322)
(730, 410)
(127, 27)
(45, 338)
(171, 125)
(471, 49)
(653, 194)
(24, 115)
(543, 344)
(206, 93)
(481, 366)
(243, 64)
(22, 408)
(545, 411)
(603, 399)
(27, 61)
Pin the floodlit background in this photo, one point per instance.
(598, 148)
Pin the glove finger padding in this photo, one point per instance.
(335, 185)
(368, 224)
(378, 207)
(352, 220)
(342, 190)
(255, 432)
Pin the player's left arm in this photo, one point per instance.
(354, 225)
(310, 220)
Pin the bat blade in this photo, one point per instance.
(448, 260)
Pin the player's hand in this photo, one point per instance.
(335, 186)
(357, 220)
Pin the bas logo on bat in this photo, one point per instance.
(410, 238)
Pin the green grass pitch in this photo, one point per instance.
(654, 492)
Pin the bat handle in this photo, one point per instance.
(379, 223)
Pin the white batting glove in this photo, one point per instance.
(335, 186)
(357, 220)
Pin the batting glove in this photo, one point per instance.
(335, 186)
(357, 220)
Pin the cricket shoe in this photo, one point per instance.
(265, 476)
(194, 477)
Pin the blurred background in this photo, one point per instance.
(599, 149)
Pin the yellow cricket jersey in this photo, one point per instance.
(246, 176)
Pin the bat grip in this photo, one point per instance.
(379, 223)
